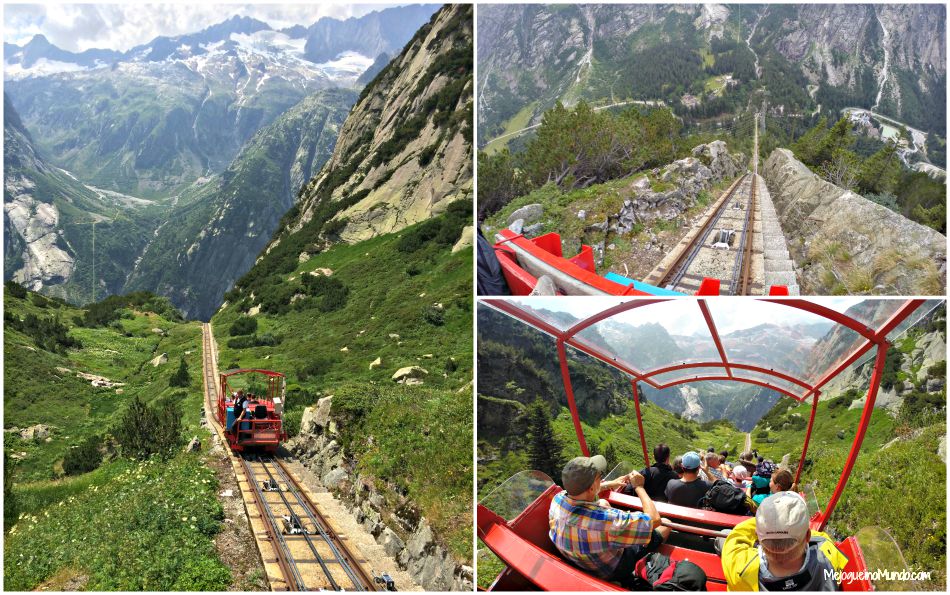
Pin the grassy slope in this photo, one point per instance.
(120, 526)
(416, 429)
(36, 392)
(883, 484)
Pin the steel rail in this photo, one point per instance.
(743, 284)
(290, 510)
(276, 536)
(677, 270)
(355, 572)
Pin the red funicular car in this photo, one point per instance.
(512, 520)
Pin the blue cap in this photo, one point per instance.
(691, 460)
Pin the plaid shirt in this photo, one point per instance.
(594, 537)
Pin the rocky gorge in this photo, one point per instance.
(393, 521)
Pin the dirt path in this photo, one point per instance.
(748, 442)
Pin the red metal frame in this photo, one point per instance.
(643, 439)
(811, 422)
(874, 338)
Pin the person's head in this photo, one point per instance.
(661, 453)
(678, 465)
(781, 525)
(781, 481)
(746, 460)
(581, 476)
(740, 473)
(713, 460)
(691, 463)
(724, 454)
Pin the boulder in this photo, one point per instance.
(465, 240)
(37, 432)
(413, 382)
(194, 445)
(376, 363)
(254, 311)
(516, 226)
(334, 477)
(158, 331)
(314, 419)
(391, 542)
(159, 360)
(345, 349)
(402, 374)
(530, 213)
(892, 254)
(304, 257)
(716, 157)
(533, 230)
(641, 184)
(394, 336)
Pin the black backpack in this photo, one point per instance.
(724, 497)
(657, 572)
(491, 280)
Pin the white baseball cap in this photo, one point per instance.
(783, 515)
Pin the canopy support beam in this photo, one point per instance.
(636, 405)
(811, 422)
(859, 435)
(569, 390)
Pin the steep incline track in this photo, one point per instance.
(300, 549)
(721, 247)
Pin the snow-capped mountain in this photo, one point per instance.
(154, 119)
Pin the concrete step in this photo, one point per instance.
(779, 266)
(780, 278)
(773, 242)
(781, 254)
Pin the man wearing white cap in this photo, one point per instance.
(789, 556)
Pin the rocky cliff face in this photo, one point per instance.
(841, 241)
(203, 246)
(405, 151)
(47, 220)
(531, 55)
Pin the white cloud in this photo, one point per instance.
(78, 27)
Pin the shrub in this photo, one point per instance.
(433, 315)
(144, 431)
(180, 377)
(15, 289)
(83, 457)
(451, 365)
(244, 325)
(39, 301)
(10, 505)
(264, 340)
(48, 333)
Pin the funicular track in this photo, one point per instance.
(300, 549)
(721, 247)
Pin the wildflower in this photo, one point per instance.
(184, 519)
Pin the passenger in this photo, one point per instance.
(656, 476)
(724, 464)
(602, 540)
(789, 556)
(688, 490)
(240, 405)
(677, 468)
(711, 468)
(740, 477)
(747, 460)
(781, 481)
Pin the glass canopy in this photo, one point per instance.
(791, 345)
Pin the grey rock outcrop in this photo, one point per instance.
(886, 253)
(529, 213)
(716, 157)
(403, 533)
(37, 432)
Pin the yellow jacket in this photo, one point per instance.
(740, 556)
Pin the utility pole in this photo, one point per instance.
(92, 284)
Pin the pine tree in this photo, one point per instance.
(880, 172)
(180, 378)
(806, 147)
(544, 449)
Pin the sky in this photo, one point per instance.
(78, 27)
